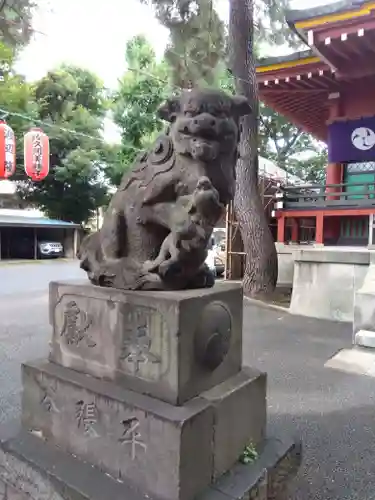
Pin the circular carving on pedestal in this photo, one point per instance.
(213, 335)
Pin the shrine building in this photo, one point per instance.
(328, 90)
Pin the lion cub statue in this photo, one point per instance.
(158, 224)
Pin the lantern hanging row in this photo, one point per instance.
(36, 153)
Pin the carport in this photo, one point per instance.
(20, 234)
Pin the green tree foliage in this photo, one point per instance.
(90, 93)
(15, 93)
(15, 22)
(141, 90)
(198, 37)
(15, 97)
(70, 98)
(270, 27)
(289, 147)
(311, 169)
(197, 40)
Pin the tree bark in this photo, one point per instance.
(261, 270)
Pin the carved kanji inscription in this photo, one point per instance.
(49, 397)
(145, 343)
(137, 348)
(76, 324)
(131, 436)
(86, 417)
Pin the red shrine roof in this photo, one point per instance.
(341, 51)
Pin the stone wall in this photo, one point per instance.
(285, 258)
(326, 279)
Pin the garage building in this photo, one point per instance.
(21, 234)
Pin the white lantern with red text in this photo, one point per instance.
(7, 151)
(36, 150)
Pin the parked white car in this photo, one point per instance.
(216, 254)
(210, 260)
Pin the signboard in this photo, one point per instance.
(352, 141)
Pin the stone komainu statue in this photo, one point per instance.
(156, 229)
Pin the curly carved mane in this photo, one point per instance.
(150, 164)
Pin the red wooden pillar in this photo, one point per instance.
(334, 175)
(319, 230)
(281, 229)
(295, 230)
(334, 171)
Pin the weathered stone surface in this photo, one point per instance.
(267, 477)
(7, 492)
(170, 345)
(35, 470)
(20, 481)
(151, 443)
(260, 491)
(326, 280)
(39, 471)
(364, 309)
(168, 204)
(240, 416)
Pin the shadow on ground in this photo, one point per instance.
(338, 461)
(333, 412)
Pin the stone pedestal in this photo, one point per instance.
(360, 358)
(364, 309)
(171, 346)
(147, 390)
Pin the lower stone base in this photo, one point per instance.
(171, 452)
(358, 360)
(31, 469)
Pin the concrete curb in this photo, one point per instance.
(266, 305)
(5, 263)
(18, 263)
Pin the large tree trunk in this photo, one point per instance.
(261, 259)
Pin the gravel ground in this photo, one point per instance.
(333, 412)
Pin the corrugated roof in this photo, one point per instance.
(12, 220)
(25, 212)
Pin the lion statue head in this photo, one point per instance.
(204, 126)
(204, 122)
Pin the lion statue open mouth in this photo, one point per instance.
(157, 226)
(203, 123)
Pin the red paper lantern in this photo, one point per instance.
(36, 150)
(7, 151)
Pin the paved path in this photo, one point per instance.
(24, 328)
(334, 412)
